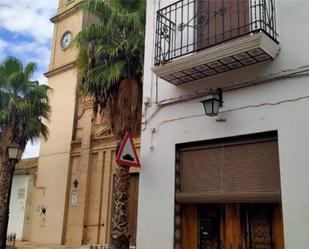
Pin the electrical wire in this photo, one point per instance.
(234, 109)
(285, 74)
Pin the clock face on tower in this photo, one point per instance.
(66, 40)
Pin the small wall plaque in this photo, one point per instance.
(74, 198)
(21, 193)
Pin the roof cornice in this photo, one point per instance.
(65, 13)
(60, 69)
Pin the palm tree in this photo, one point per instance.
(24, 106)
(111, 67)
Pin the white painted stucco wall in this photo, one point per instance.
(281, 105)
(18, 205)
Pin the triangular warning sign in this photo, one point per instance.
(127, 154)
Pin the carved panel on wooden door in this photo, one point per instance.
(260, 226)
(209, 227)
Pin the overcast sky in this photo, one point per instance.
(26, 33)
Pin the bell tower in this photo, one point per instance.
(74, 186)
(67, 23)
(54, 158)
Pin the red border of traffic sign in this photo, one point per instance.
(127, 137)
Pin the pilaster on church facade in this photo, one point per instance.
(93, 166)
(54, 158)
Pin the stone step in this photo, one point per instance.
(31, 245)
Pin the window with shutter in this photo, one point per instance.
(242, 169)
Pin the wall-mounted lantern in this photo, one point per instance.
(14, 152)
(213, 102)
(75, 183)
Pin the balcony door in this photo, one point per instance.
(221, 20)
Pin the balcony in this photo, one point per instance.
(196, 39)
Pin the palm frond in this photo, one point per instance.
(97, 8)
(114, 58)
(11, 65)
(90, 33)
(24, 103)
(29, 70)
(82, 61)
(108, 74)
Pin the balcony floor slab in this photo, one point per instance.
(234, 54)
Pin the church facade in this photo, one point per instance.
(72, 199)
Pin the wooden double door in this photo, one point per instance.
(232, 226)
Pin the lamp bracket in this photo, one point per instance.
(220, 97)
(218, 92)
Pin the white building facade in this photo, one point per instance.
(21, 199)
(18, 205)
(238, 179)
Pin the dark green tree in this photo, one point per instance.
(111, 67)
(24, 107)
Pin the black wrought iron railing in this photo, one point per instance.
(187, 26)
